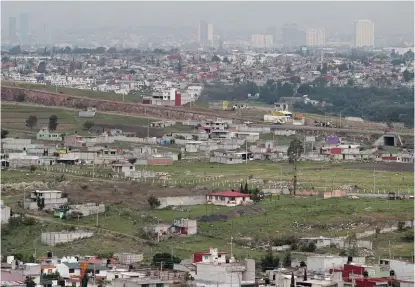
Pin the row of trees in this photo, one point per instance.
(256, 194)
(374, 103)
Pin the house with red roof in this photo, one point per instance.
(228, 198)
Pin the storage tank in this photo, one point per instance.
(9, 259)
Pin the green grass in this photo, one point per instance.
(399, 246)
(286, 216)
(13, 118)
(318, 175)
(76, 92)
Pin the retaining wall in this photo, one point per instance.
(182, 200)
(54, 238)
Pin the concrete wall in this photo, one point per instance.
(182, 200)
(129, 258)
(403, 270)
(321, 263)
(53, 238)
(88, 208)
(5, 213)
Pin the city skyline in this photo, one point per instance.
(388, 17)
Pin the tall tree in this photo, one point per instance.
(53, 123)
(292, 280)
(4, 133)
(31, 121)
(246, 190)
(294, 153)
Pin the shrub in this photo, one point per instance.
(21, 98)
(153, 201)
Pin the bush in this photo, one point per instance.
(32, 168)
(401, 226)
(21, 98)
(88, 124)
(311, 247)
(153, 201)
(408, 236)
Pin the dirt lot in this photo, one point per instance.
(128, 193)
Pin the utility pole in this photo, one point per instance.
(148, 129)
(231, 246)
(390, 251)
(97, 218)
(93, 169)
(340, 120)
(246, 151)
(374, 181)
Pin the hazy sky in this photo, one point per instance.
(389, 17)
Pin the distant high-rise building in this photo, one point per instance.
(269, 41)
(272, 30)
(315, 37)
(24, 29)
(258, 40)
(210, 34)
(291, 35)
(12, 28)
(364, 33)
(203, 33)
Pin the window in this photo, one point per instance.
(96, 271)
(206, 257)
(116, 276)
(71, 270)
(73, 284)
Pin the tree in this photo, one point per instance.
(246, 190)
(31, 121)
(20, 97)
(226, 60)
(15, 50)
(29, 282)
(32, 168)
(179, 67)
(287, 260)
(292, 280)
(179, 156)
(407, 76)
(166, 260)
(53, 123)
(4, 133)
(269, 261)
(88, 124)
(42, 67)
(257, 195)
(153, 201)
(294, 154)
(132, 160)
(215, 58)
(401, 225)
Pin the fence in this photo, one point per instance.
(54, 238)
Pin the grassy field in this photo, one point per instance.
(76, 92)
(318, 175)
(13, 118)
(283, 217)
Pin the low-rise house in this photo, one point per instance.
(46, 135)
(227, 157)
(50, 198)
(184, 226)
(228, 198)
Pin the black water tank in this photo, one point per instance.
(50, 254)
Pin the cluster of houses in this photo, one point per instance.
(207, 268)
